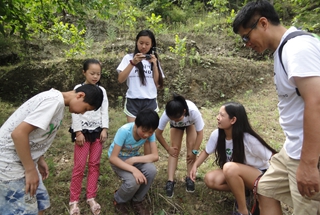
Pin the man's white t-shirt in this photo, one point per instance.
(135, 88)
(301, 58)
(194, 117)
(256, 154)
(45, 111)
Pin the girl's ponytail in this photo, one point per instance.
(177, 107)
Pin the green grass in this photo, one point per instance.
(262, 110)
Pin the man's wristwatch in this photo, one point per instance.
(195, 152)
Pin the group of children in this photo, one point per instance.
(241, 153)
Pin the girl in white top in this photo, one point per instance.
(89, 132)
(182, 115)
(240, 152)
(143, 74)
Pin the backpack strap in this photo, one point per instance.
(288, 37)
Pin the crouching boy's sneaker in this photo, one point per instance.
(169, 188)
(121, 208)
(140, 208)
(189, 185)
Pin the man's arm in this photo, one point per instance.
(307, 173)
(20, 137)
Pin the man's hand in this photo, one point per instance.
(307, 179)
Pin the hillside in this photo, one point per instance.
(216, 72)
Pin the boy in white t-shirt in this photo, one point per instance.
(293, 176)
(26, 136)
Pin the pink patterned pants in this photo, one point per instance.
(81, 153)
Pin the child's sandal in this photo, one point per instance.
(74, 208)
(94, 206)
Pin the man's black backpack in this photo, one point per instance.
(288, 37)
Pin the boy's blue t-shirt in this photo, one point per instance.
(129, 146)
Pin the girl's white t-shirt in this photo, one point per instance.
(194, 117)
(256, 154)
(135, 88)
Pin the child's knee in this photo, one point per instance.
(152, 171)
(230, 169)
(209, 180)
(132, 185)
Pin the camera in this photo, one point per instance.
(148, 56)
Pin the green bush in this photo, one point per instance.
(176, 14)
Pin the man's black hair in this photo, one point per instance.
(253, 11)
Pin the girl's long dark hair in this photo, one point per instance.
(176, 107)
(240, 127)
(142, 76)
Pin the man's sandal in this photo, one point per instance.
(94, 206)
(74, 208)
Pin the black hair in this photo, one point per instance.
(93, 95)
(175, 108)
(147, 119)
(142, 76)
(88, 62)
(253, 11)
(240, 127)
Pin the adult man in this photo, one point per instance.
(293, 177)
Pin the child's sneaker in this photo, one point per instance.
(169, 188)
(237, 213)
(140, 208)
(190, 185)
(120, 208)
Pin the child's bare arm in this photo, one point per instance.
(20, 137)
(115, 160)
(152, 157)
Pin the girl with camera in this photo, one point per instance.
(143, 74)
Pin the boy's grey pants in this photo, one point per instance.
(129, 189)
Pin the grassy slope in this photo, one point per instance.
(263, 115)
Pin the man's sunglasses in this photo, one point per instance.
(246, 38)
